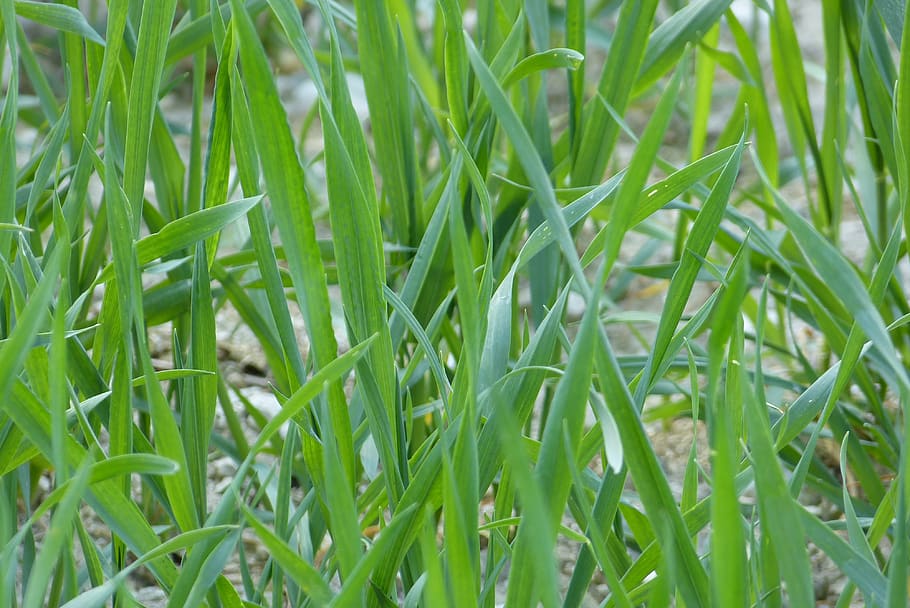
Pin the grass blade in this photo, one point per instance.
(287, 190)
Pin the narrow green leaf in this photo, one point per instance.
(700, 238)
(154, 27)
(837, 273)
(14, 350)
(60, 528)
(617, 81)
(551, 59)
(779, 513)
(304, 573)
(725, 389)
(58, 17)
(390, 536)
(168, 444)
(864, 574)
(565, 420)
(98, 597)
(388, 97)
(197, 413)
(120, 514)
(530, 160)
(284, 178)
(670, 38)
(902, 122)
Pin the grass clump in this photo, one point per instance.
(463, 223)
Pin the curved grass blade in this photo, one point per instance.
(61, 526)
(439, 375)
(552, 472)
(16, 347)
(851, 562)
(839, 275)
(627, 48)
(669, 40)
(284, 178)
(529, 158)
(304, 574)
(700, 238)
(98, 597)
(778, 511)
(357, 241)
(120, 514)
(59, 17)
(551, 59)
(186, 231)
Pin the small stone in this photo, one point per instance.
(151, 597)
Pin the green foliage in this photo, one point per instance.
(466, 221)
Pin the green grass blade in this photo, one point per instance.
(309, 391)
(701, 95)
(154, 27)
(389, 100)
(260, 233)
(343, 525)
(864, 574)
(728, 547)
(551, 59)
(47, 165)
(902, 120)
(627, 48)
(652, 485)
(357, 240)
(779, 513)
(551, 472)
(642, 161)
(289, 17)
(522, 388)
(794, 100)
(413, 325)
(575, 39)
(423, 263)
(8, 121)
(837, 273)
(460, 514)
(284, 178)
(530, 160)
(197, 412)
(304, 574)
(759, 112)
(380, 550)
(119, 513)
(218, 159)
(670, 38)
(186, 231)
(37, 76)
(98, 597)
(60, 527)
(456, 66)
(58, 17)
(700, 237)
(535, 517)
(168, 443)
(16, 347)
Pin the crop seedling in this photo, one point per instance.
(411, 303)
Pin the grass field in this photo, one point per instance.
(442, 274)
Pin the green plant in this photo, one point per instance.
(470, 419)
